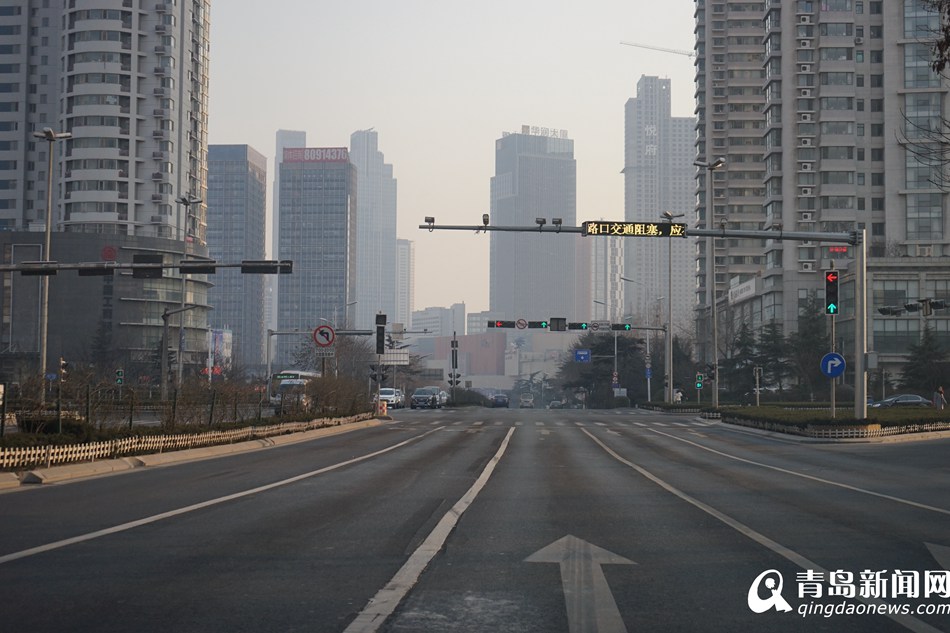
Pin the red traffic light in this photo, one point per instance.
(831, 276)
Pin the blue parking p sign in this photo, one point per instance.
(832, 365)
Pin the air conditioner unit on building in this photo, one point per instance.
(805, 19)
(159, 92)
(808, 216)
(157, 197)
(859, 40)
(806, 166)
(806, 191)
(806, 68)
(806, 92)
(925, 251)
(805, 142)
(156, 175)
(808, 267)
(159, 28)
(806, 243)
(806, 117)
(805, 44)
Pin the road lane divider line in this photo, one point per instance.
(786, 471)
(384, 603)
(907, 621)
(48, 547)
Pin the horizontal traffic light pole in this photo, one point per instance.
(150, 269)
(581, 325)
(851, 237)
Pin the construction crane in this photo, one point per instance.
(660, 48)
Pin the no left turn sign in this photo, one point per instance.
(324, 336)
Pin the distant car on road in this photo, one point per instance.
(390, 396)
(500, 400)
(555, 404)
(526, 401)
(426, 398)
(903, 400)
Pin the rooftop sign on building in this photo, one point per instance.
(316, 155)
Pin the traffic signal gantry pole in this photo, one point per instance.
(856, 238)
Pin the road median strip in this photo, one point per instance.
(89, 469)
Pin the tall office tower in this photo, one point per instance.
(536, 276)
(128, 79)
(729, 102)
(317, 219)
(405, 281)
(237, 184)
(658, 177)
(375, 231)
(285, 139)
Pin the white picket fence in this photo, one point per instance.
(46, 456)
(857, 431)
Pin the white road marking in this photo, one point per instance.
(198, 506)
(906, 621)
(591, 607)
(382, 605)
(786, 471)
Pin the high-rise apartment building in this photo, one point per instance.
(824, 113)
(606, 283)
(129, 81)
(375, 231)
(405, 281)
(659, 150)
(536, 276)
(237, 184)
(317, 219)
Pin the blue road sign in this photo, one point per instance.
(649, 372)
(582, 356)
(832, 365)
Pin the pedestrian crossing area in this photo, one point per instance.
(591, 420)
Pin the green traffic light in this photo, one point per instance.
(583, 326)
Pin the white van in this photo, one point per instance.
(526, 401)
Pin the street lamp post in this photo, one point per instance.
(164, 354)
(670, 216)
(187, 201)
(51, 137)
(649, 358)
(711, 272)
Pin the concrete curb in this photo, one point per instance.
(9, 480)
(90, 469)
(72, 471)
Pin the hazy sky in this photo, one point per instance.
(440, 81)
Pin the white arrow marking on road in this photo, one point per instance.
(590, 605)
